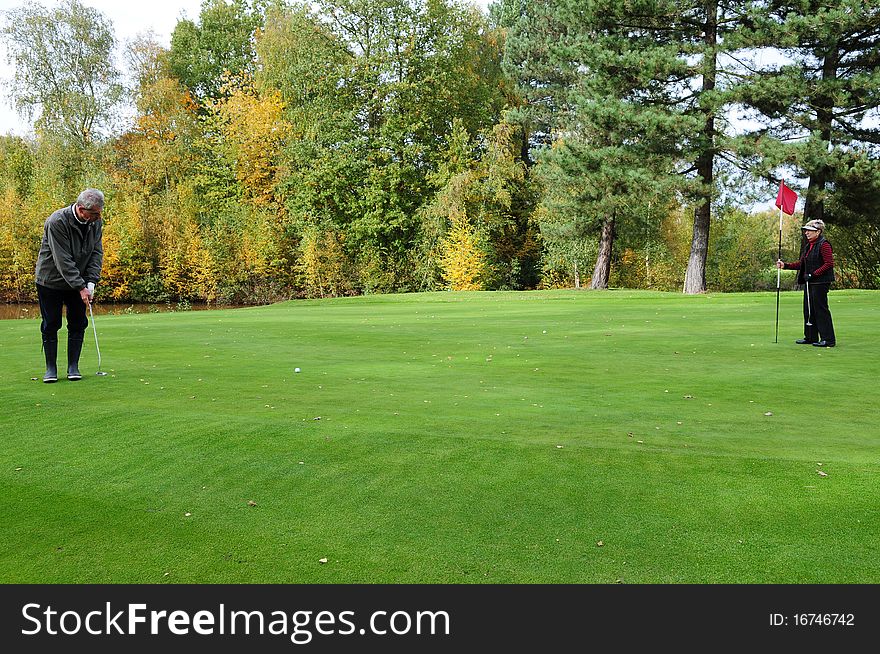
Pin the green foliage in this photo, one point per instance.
(159, 151)
(856, 254)
(744, 249)
(130, 253)
(653, 252)
(251, 133)
(324, 266)
(371, 91)
(369, 146)
(815, 108)
(17, 165)
(481, 215)
(568, 255)
(64, 70)
(222, 42)
(634, 94)
(18, 235)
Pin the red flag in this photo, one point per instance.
(786, 199)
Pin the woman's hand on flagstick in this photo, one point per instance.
(780, 263)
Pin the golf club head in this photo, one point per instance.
(101, 373)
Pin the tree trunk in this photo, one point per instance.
(603, 260)
(814, 206)
(695, 277)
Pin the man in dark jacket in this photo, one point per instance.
(68, 267)
(816, 270)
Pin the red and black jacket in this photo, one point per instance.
(816, 258)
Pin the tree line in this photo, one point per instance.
(283, 149)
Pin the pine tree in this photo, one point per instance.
(815, 105)
(644, 82)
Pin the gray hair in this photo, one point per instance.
(91, 199)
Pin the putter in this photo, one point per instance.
(100, 373)
(809, 310)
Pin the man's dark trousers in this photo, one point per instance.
(51, 302)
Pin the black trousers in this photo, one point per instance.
(816, 311)
(51, 302)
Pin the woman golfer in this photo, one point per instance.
(816, 271)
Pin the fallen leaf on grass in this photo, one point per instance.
(769, 413)
(322, 561)
(822, 474)
(600, 544)
(251, 503)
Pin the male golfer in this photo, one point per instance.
(68, 267)
(816, 270)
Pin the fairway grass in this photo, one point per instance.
(540, 437)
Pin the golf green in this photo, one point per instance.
(537, 437)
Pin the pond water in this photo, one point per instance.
(13, 311)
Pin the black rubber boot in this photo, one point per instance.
(50, 349)
(74, 347)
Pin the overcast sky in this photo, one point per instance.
(129, 18)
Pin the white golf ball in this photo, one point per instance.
(296, 370)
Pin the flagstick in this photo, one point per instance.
(778, 273)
